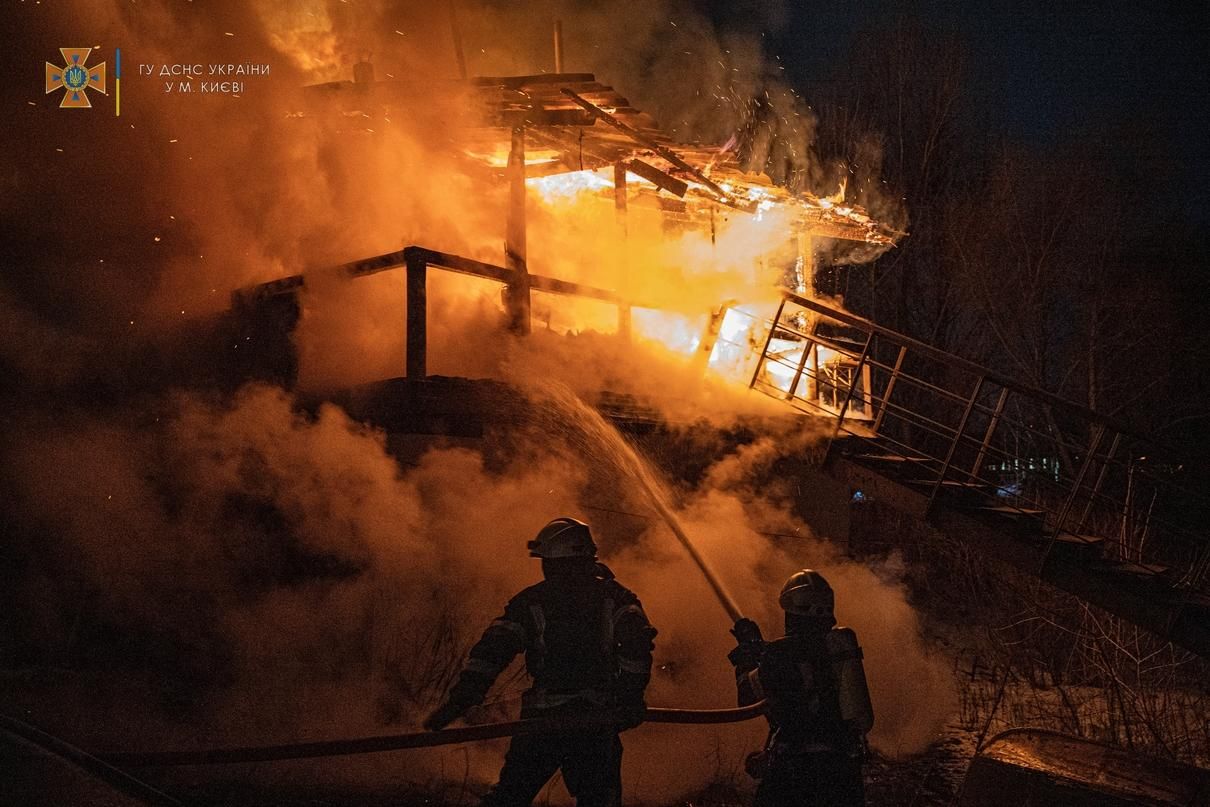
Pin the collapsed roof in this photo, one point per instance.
(574, 123)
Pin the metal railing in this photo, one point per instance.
(949, 424)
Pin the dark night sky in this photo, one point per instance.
(1043, 73)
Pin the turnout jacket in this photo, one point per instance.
(583, 640)
(796, 674)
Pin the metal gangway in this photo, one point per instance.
(1057, 490)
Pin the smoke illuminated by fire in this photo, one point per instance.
(202, 497)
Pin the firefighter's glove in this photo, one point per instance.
(445, 714)
(746, 631)
(750, 645)
(631, 710)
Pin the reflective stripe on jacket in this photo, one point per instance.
(589, 641)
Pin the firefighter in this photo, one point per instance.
(818, 701)
(587, 646)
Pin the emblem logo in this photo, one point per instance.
(75, 78)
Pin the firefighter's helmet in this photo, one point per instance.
(807, 593)
(563, 538)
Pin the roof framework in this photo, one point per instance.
(572, 122)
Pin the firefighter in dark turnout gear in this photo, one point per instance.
(587, 646)
(818, 701)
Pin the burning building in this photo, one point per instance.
(559, 235)
(563, 143)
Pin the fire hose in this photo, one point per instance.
(426, 739)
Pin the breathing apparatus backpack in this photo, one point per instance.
(853, 691)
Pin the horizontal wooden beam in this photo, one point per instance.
(665, 152)
(661, 179)
(420, 255)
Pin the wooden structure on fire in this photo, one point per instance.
(1047, 486)
(519, 128)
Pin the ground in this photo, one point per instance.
(930, 778)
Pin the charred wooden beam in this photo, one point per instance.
(456, 263)
(575, 151)
(512, 118)
(416, 323)
(513, 82)
(553, 285)
(661, 179)
(440, 260)
(665, 152)
(515, 248)
(558, 46)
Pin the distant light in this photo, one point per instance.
(859, 496)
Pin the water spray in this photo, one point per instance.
(724, 597)
(630, 462)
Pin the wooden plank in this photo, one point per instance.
(515, 247)
(514, 82)
(416, 321)
(511, 118)
(657, 177)
(639, 137)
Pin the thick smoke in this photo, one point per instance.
(203, 195)
(284, 571)
(274, 574)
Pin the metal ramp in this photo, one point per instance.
(1053, 488)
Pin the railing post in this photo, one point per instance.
(760, 360)
(515, 248)
(1075, 489)
(953, 449)
(416, 326)
(890, 387)
(844, 407)
(991, 429)
(1096, 488)
(807, 348)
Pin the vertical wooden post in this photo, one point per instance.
(417, 318)
(558, 46)
(517, 292)
(619, 194)
(705, 347)
(806, 265)
(619, 208)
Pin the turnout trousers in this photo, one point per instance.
(591, 765)
(812, 780)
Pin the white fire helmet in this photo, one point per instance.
(563, 538)
(807, 593)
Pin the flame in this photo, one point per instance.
(305, 34)
(556, 187)
(499, 157)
